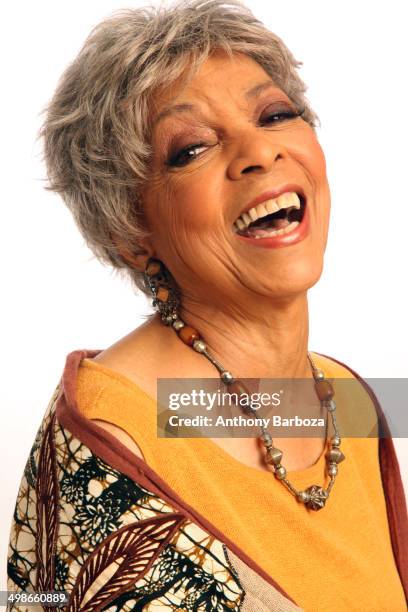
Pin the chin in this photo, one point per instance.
(296, 281)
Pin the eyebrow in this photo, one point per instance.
(254, 92)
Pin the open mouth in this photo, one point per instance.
(273, 217)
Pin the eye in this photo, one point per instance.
(184, 156)
(279, 116)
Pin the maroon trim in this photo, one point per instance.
(110, 449)
(47, 506)
(392, 485)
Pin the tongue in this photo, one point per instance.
(279, 223)
(274, 223)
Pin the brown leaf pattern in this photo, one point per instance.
(130, 551)
(82, 526)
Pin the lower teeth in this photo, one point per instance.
(261, 233)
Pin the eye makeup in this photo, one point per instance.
(186, 134)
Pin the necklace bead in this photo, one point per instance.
(266, 438)
(188, 335)
(199, 346)
(227, 377)
(333, 469)
(274, 456)
(178, 324)
(280, 472)
(317, 497)
(324, 390)
(303, 496)
(335, 455)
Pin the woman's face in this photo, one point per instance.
(228, 141)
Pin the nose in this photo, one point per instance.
(256, 154)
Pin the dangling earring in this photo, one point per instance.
(165, 292)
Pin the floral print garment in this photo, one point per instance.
(112, 543)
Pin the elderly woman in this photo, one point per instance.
(182, 142)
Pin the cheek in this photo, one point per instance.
(184, 239)
(182, 218)
(317, 164)
(310, 154)
(191, 203)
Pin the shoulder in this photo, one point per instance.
(333, 367)
(140, 357)
(113, 399)
(126, 369)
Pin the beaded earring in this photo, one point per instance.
(166, 295)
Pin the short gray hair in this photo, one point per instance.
(96, 131)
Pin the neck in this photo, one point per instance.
(273, 344)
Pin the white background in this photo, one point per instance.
(58, 298)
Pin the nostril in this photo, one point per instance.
(250, 168)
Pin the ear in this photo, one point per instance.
(138, 260)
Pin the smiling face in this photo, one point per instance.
(222, 144)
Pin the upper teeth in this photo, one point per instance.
(285, 200)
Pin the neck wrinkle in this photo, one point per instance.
(273, 345)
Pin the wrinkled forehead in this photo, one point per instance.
(205, 72)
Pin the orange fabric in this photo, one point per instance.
(339, 558)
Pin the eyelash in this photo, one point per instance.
(174, 160)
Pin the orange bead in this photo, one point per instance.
(188, 335)
(153, 268)
(162, 294)
(324, 390)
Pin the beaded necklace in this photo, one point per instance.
(166, 300)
